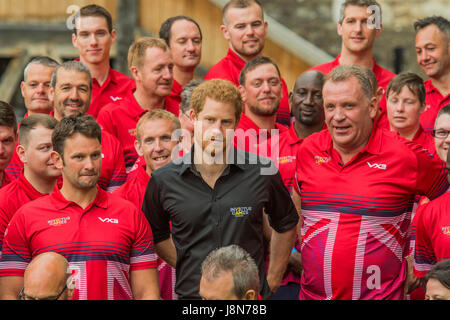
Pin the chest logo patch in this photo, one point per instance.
(240, 211)
(58, 221)
(321, 160)
(377, 166)
(109, 220)
(446, 230)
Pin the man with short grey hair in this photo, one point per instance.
(357, 183)
(71, 91)
(229, 273)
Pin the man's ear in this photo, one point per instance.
(20, 150)
(137, 146)
(250, 295)
(57, 160)
(225, 33)
(74, 40)
(192, 115)
(113, 36)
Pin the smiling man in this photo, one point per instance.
(433, 57)
(355, 182)
(106, 239)
(71, 90)
(151, 65)
(214, 197)
(245, 31)
(93, 36)
(39, 174)
(184, 38)
(154, 143)
(358, 29)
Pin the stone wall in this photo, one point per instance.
(315, 20)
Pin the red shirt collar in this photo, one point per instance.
(176, 87)
(235, 59)
(246, 123)
(6, 179)
(292, 135)
(373, 146)
(377, 70)
(28, 188)
(101, 200)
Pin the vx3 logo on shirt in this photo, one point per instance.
(115, 98)
(377, 166)
(240, 211)
(109, 220)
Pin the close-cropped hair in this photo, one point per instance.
(236, 260)
(410, 80)
(253, 64)
(32, 122)
(346, 72)
(440, 22)
(156, 114)
(42, 60)
(138, 49)
(8, 116)
(69, 126)
(218, 90)
(71, 65)
(94, 10)
(444, 110)
(165, 32)
(357, 3)
(239, 4)
(186, 94)
(440, 272)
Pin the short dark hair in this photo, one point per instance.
(186, 94)
(31, 122)
(358, 3)
(440, 272)
(8, 116)
(412, 81)
(240, 4)
(94, 10)
(346, 72)
(42, 60)
(165, 32)
(69, 126)
(440, 22)
(253, 64)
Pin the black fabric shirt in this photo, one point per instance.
(204, 219)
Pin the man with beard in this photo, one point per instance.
(307, 108)
(261, 89)
(245, 30)
(106, 239)
(214, 197)
(433, 57)
(71, 90)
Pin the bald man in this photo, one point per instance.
(47, 278)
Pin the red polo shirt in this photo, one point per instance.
(230, 67)
(134, 190)
(7, 179)
(356, 216)
(433, 234)
(12, 197)
(174, 99)
(435, 101)
(115, 88)
(113, 173)
(102, 243)
(120, 119)
(383, 76)
(248, 136)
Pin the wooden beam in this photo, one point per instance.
(13, 75)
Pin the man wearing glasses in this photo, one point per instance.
(440, 132)
(47, 277)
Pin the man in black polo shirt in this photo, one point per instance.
(215, 196)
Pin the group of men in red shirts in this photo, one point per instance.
(351, 141)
